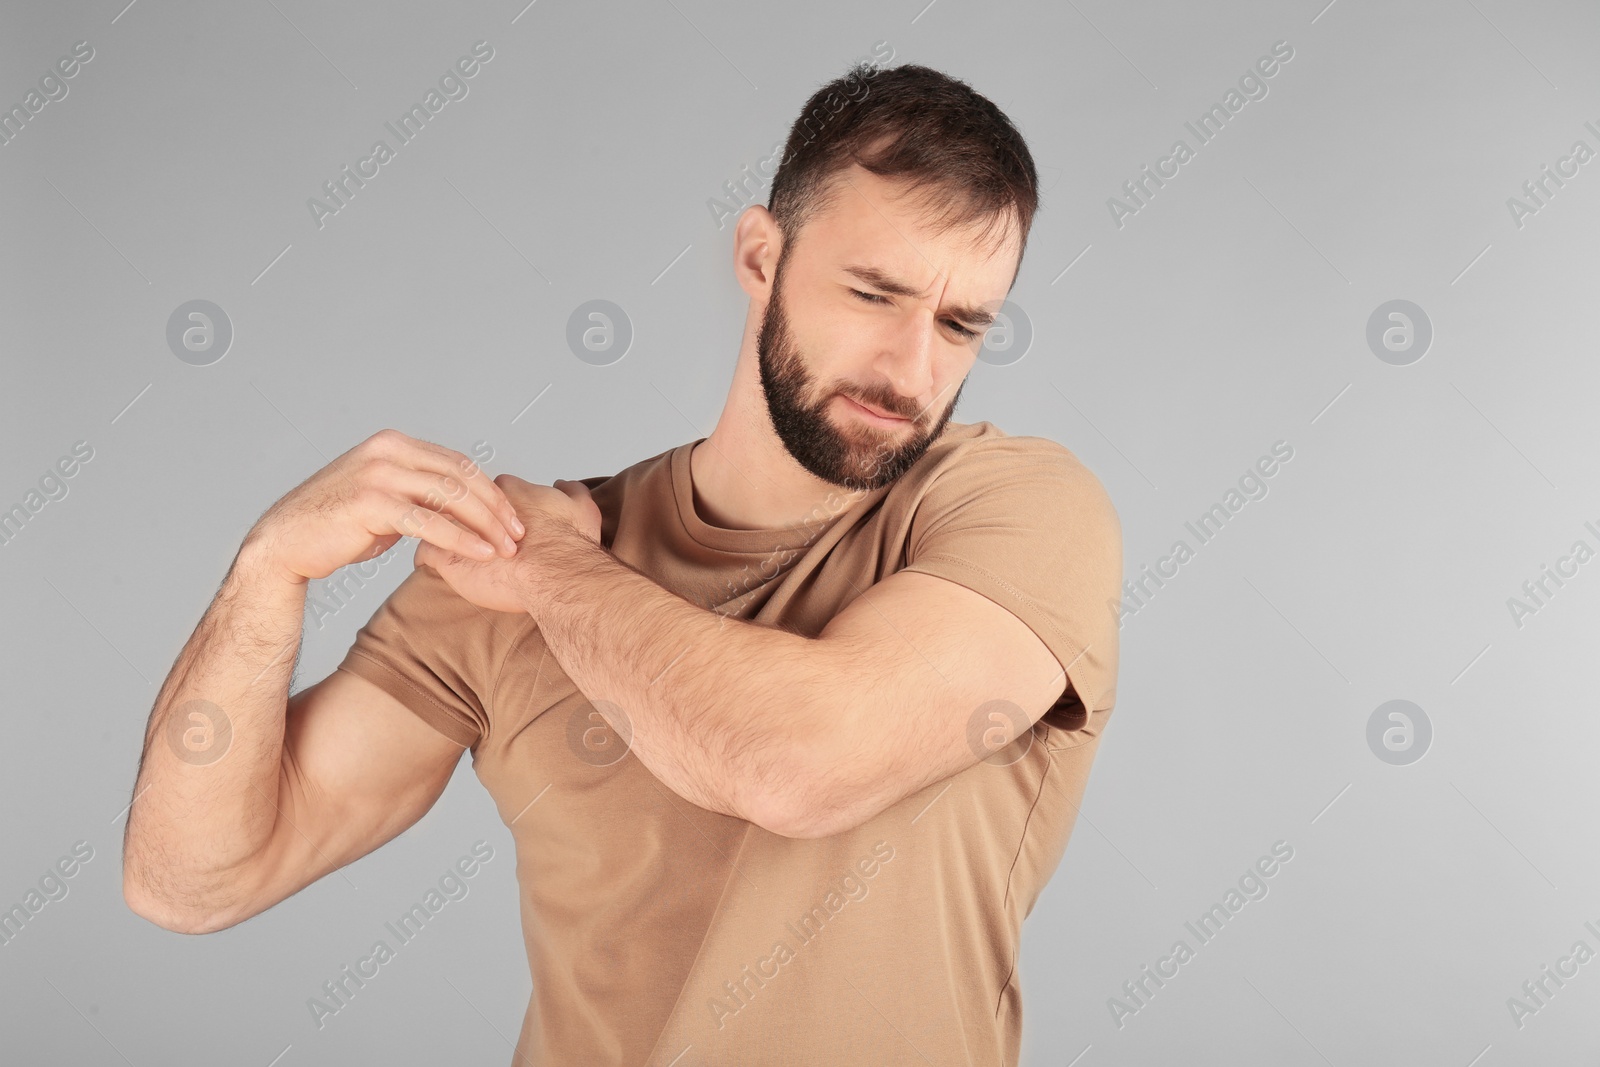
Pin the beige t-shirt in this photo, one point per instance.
(661, 933)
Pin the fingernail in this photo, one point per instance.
(517, 525)
(511, 546)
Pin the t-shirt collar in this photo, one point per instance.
(722, 539)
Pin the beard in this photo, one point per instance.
(859, 456)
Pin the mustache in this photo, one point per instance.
(893, 407)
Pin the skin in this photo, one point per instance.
(803, 736)
(246, 794)
(810, 345)
(810, 341)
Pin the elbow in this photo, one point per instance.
(814, 824)
(807, 814)
(787, 823)
(808, 824)
(781, 796)
(804, 829)
(774, 812)
(821, 792)
(154, 911)
(164, 913)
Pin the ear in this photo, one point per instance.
(757, 243)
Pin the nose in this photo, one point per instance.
(906, 365)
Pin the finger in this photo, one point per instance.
(431, 555)
(424, 556)
(424, 490)
(444, 533)
(385, 512)
(426, 456)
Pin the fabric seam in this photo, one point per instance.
(1022, 839)
(505, 657)
(1003, 584)
(448, 714)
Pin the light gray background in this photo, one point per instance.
(1228, 314)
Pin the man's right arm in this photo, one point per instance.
(307, 784)
(244, 795)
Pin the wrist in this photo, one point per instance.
(555, 553)
(256, 563)
(527, 573)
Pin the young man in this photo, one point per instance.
(789, 723)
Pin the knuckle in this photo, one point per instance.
(369, 469)
(413, 520)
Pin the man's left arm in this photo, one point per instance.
(803, 736)
(808, 737)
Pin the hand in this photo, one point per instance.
(387, 487)
(562, 502)
(551, 514)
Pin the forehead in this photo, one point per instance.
(873, 223)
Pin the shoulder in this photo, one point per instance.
(610, 490)
(974, 461)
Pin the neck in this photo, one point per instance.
(744, 478)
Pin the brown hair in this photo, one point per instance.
(960, 156)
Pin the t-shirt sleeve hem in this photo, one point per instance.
(1074, 658)
(419, 702)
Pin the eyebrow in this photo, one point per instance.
(971, 315)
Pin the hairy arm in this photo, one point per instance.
(802, 736)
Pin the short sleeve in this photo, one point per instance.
(437, 653)
(1021, 521)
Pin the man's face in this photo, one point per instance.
(823, 348)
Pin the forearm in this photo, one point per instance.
(721, 710)
(205, 799)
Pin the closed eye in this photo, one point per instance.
(961, 331)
